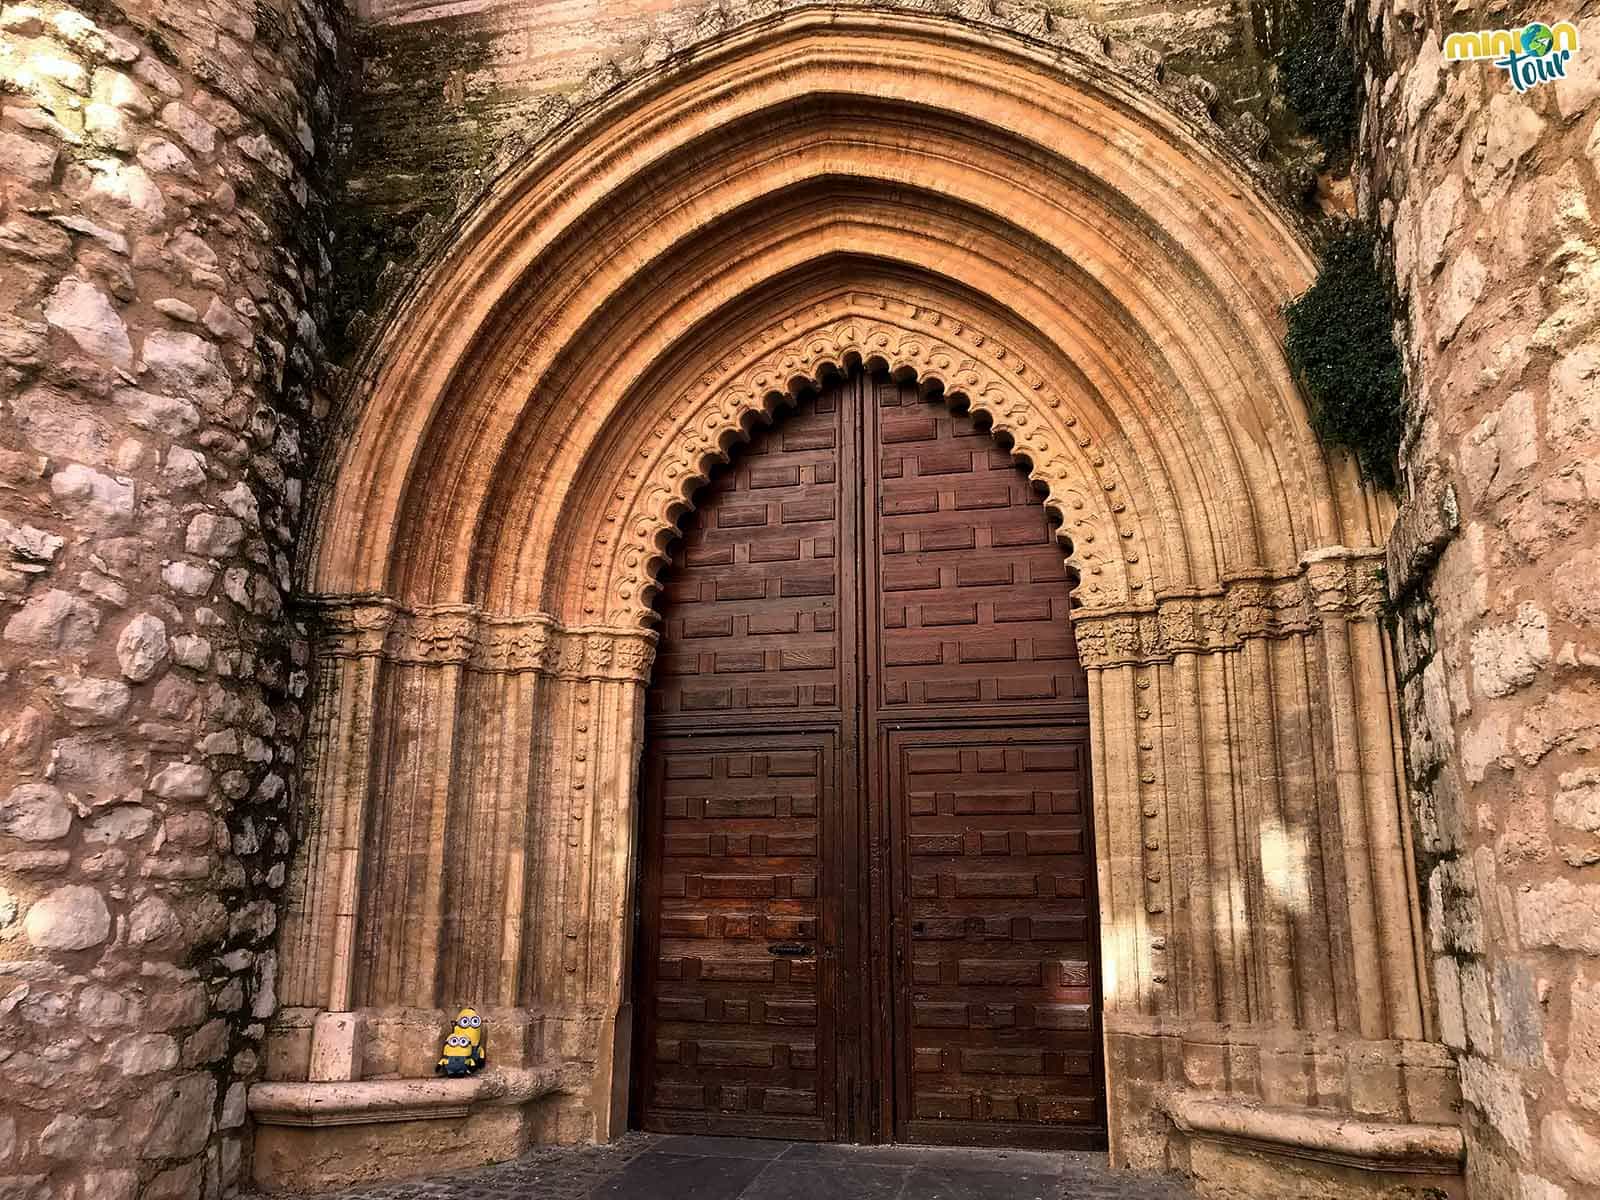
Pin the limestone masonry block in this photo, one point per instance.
(336, 1046)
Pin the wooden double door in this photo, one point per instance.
(867, 904)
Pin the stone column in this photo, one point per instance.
(162, 244)
(317, 942)
(472, 782)
(1243, 766)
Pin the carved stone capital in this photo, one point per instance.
(439, 637)
(1346, 581)
(1332, 582)
(463, 635)
(351, 626)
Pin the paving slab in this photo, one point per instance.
(648, 1167)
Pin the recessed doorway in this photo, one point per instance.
(867, 904)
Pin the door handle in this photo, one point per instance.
(790, 950)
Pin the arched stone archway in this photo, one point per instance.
(1028, 229)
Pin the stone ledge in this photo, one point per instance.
(1300, 1133)
(368, 1102)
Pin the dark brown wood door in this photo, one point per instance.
(867, 906)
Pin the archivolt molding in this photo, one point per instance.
(1072, 42)
(1334, 582)
(463, 635)
(1085, 489)
(506, 370)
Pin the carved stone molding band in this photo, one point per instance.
(1334, 580)
(462, 635)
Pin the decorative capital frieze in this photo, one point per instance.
(441, 636)
(462, 635)
(351, 626)
(1346, 581)
(1332, 582)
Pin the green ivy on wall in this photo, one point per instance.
(1318, 75)
(1341, 346)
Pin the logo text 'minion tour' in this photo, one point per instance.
(1534, 54)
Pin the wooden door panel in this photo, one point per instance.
(862, 747)
(736, 1038)
(974, 609)
(750, 608)
(994, 937)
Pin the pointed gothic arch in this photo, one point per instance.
(1032, 224)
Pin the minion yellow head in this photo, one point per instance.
(470, 1026)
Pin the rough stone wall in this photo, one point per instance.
(1491, 197)
(159, 268)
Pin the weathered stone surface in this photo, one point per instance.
(153, 921)
(108, 1185)
(95, 495)
(185, 469)
(53, 620)
(1521, 1015)
(165, 415)
(127, 823)
(86, 315)
(98, 771)
(69, 918)
(1560, 913)
(124, 196)
(182, 781)
(196, 132)
(186, 366)
(1498, 1093)
(1507, 657)
(1487, 194)
(191, 651)
(35, 812)
(119, 422)
(142, 647)
(95, 701)
(1582, 1070)
(175, 1121)
(1572, 412)
(145, 1053)
(213, 536)
(187, 578)
(24, 159)
(1573, 1148)
(82, 1139)
(1577, 802)
(177, 1183)
(233, 1108)
(1500, 449)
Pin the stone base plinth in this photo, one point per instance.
(315, 1137)
(1237, 1151)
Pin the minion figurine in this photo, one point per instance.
(463, 1051)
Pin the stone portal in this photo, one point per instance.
(980, 215)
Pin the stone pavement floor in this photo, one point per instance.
(648, 1167)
